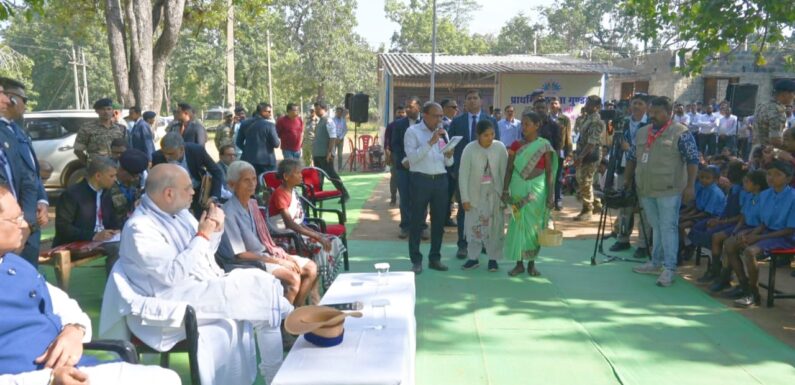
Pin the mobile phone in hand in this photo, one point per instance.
(358, 305)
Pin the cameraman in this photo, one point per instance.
(626, 136)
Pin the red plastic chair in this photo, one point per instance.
(313, 189)
(363, 146)
(772, 293)
(269, 179)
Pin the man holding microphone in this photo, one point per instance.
(423, 143)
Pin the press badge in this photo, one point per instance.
(644, 158)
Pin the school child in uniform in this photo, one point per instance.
(710, 203)
(702, 231)
(753, 184)
(777, 216)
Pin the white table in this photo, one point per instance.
(366, 355)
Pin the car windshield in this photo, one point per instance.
(214, 115)
(53, 128)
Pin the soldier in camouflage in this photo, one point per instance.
(128, 188)
(770, 118)
(565, 125)
(95, 138)
(225, 131)
(589, 152)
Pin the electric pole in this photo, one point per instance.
(230, 54)
(270, 82)
(73, 62)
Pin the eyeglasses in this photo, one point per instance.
(19, 221)
(453, 107)
(15, 95)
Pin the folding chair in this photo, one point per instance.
(772, 293)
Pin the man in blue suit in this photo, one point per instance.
(141, 136)
(464, 125)
(22, 164)
(258, 139)
(399, 129)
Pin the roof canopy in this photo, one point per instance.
(419, 64)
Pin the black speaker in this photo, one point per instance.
(348, 98)
(360, 103)
(742, 98)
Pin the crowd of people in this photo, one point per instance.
(173, 221)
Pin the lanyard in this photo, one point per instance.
(653, 137)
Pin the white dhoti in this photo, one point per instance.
(116, 373)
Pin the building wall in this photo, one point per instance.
(513, 89)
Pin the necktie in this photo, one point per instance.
(9, 177)
(472, 130)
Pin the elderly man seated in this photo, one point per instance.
(166, 253)
(247, 237)
(42, 330)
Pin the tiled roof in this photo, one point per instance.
(419, 64)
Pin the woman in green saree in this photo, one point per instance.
(529, 192)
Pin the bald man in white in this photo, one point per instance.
(166, 253)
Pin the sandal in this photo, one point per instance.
(531, 270)
(518, 269)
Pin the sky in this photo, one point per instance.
(373, 25)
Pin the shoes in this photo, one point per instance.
(461, 253)
(403, 234)
(708, 276)
(558, 206)
(518, 269)
(392, 203)
(641, 253)
(620, 246)
(450, 223)
(750, 300)
(437, 265)
(425, 235)
(471, 264)
(493, 267)
(584, 216)
(736, 292)
(416, 268)
(666, 278)
(648, 268)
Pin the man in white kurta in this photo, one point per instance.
(166, 253)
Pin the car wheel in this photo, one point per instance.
(75, 177)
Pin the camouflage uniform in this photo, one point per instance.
(769, 122)
(223, 135)
(94, 138)
(591, 128)
(122, 205)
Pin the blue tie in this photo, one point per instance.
(473, 130)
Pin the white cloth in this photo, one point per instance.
(69, 310)
(510, 131)
(331, 128)
(422, 156)
(707, 123)
(727, 125)
(116, 373)
(791, 121)
(366, 355)
(164, 262)
(683, 119)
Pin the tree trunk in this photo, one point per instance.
(118, 53)
(139, 20)
(172, 23)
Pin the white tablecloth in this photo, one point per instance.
(366, 355)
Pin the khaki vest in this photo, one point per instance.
(665, 173)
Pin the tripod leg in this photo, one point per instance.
(643, 233)
(600, 231)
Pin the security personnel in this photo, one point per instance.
(770, 118)
(589, 152)
(95, 137)
(128, 187)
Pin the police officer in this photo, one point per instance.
(770, 118)
(589, 152)
(95, 137)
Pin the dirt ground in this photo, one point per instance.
(379, 221)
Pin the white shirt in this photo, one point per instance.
(791, 121)
(684, 119)
(509, 130)
(727, 125)
(745, 128)
(423, 157)
(331, 128)
(98, 225)
(707, 123)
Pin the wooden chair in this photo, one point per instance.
(772, 293)
(66, 257)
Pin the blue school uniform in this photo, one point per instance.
(701, 236)
(777, 212)
(751, 207)
(711, 200)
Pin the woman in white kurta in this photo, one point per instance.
(480, 180)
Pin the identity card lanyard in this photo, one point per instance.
(651, 137)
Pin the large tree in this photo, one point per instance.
(415, 18)
(707, 29)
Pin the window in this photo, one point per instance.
(54, 128)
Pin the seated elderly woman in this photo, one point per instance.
(246, 237)
(285, 212)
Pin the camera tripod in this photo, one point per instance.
(600, 236)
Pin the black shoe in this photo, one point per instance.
(748, 301)
(734, 293)
(493, 265)
(437, 265)
(416, 268)
(392, 203)
(403, 234)
(620, 246)
(450, 223)
(641, 253)
(708, 276)
(461, 253)
(558, 206)
(471, 264)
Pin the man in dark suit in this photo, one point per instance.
(23, 166)
(258, 139)
(193, 158)
(186, 125)
(400, 163)
(85, 210)
(142, 137)
(465, 125)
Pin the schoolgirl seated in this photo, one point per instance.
(710, 202)
(776, 230)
